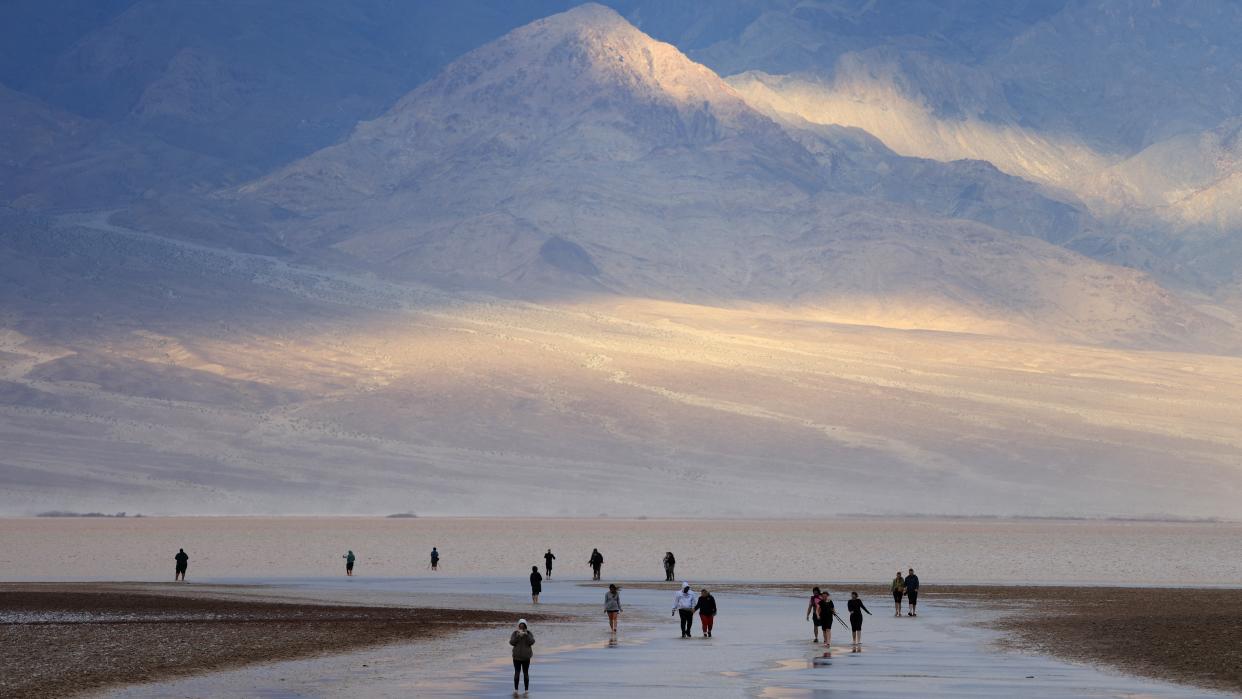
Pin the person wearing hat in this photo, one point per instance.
(683, 604)
(522, 639)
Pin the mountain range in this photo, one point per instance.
(362, 262)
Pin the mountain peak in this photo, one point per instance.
(590, 48)
(584, 86)
(588, 14)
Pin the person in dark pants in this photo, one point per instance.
(596, 562)
(912, 592)
(547, 562)
(183, 561)
(522, 640)
(536, 584)
(435, 559)
(856, 608)
(706, 607)
(669, 564)
(349, 563)
(683, 604)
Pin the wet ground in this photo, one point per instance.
(761, 648)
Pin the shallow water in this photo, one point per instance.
(761, 648)
(844, 550)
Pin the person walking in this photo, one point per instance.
(683, 605)
(596, 562)
(856, 607)
(349, 563)
(706, 607)
(547, 562)
(522, 639)
(912, 592)
(536, 584)
(612, 606)
(899, 591)
(670, 562)
(183, 561)
(826, 610)
(435, 559)
(812, 612)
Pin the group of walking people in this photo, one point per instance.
(821, 611)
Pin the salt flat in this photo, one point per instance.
(760, 649)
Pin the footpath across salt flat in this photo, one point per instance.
(761, 648)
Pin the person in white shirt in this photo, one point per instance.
(683, 604)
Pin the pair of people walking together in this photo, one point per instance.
(685, 604)
(907, 587)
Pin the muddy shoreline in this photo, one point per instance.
(1185, 635)
(59, 640)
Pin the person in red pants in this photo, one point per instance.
(706, 607)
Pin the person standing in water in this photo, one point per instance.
(522, 639)
(899, 591)
(683, 605)
(706, 607)
(349, 563)
(435, 559)
(856, 607)
(669, 564)
(536, 584)
(612, 606)
(912, 592)
(812, 612)
(547, 562)
(596, 562)
(183, 561)
(826, 611)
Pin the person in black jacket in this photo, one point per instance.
(912, 593)
(183, 562)
(706, 607)
(536, 584)
(547, 562)
(596, 562)
(856, 608)
(824, 613)
(669, 564)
